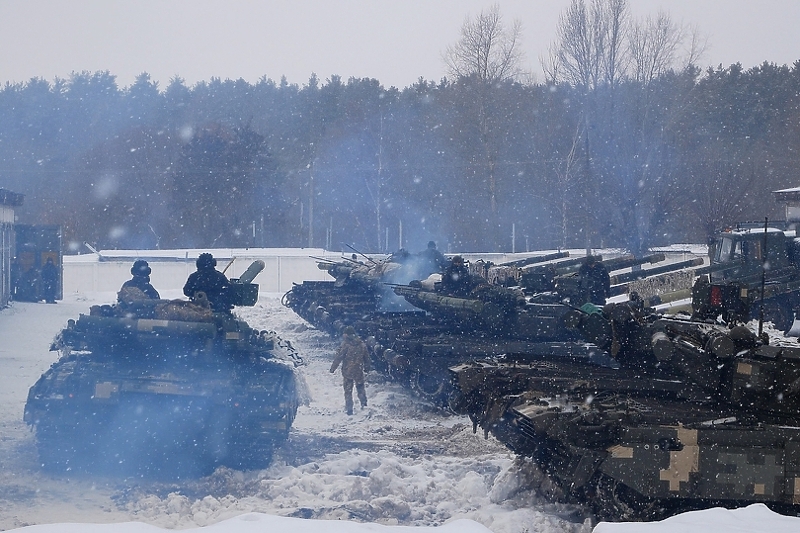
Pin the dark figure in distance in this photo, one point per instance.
(432, 261)
(141, 281)
(456, 279)
(595, 283)
(210, 281)
(14, 278)
(354, 358)
(49, 281)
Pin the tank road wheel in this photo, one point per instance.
(429, 387)
(250, 455)
(60, 451)
(779, 312)
(613, 501)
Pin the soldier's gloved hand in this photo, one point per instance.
(332, 371)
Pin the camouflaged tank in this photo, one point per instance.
(164, 387)
(695, 415)
(361, 290)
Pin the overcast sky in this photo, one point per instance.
(394, 41)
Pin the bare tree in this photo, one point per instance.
(612, 26)
(576, 50)
(486, 55)
(487, 49)
(653, 44)
(590, 45)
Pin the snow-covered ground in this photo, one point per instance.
(397, 462)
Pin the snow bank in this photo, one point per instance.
(259, 523)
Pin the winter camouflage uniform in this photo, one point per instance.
(354, 358)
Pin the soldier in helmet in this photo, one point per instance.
(456, 279)
(432, 260)
(138, 287)
(209, 281)
(354, 358)
(595, 283)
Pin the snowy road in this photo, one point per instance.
(399, 461)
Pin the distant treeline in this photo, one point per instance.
(463, 162)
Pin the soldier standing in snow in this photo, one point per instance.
(49, 281)
(354, 358)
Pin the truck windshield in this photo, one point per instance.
(725, 250)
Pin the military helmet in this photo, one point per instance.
(432, 245)
(349, 330)
(458, 260)
(206, 260)
(140, 268)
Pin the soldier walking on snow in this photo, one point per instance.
(354, 358)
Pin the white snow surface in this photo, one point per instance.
(397, 465)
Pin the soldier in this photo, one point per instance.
(456, 279)
(431, 260)
(595, 283)
(354, 358)
(49, 281)
(210, 281)
(139, 282)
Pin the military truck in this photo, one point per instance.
(754, 270)
(164, 387)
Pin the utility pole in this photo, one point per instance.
(311, 199)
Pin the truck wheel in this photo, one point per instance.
(780, 314)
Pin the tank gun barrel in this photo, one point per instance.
(627, 261)
(252, 271)
(570, 266)
(535, 260)
(558, 266)
(420, 297)
(669, 297)
(718, 267)
(361, 254)
(655, 271)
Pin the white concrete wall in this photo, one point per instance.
(88, 273)
(84, 274)
(285, 266)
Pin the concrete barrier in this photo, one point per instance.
(107, 271)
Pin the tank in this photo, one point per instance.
(361, 288)
(164, 387)
(695, 415)
(439, 329)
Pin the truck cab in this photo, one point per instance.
(739, 260)
(739, 255)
